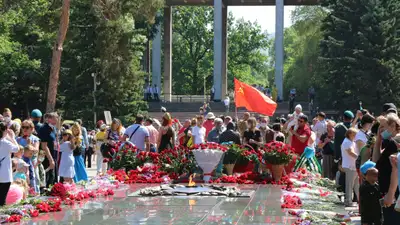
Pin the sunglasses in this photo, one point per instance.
(26, 127)
(65, 135)
(301, 121)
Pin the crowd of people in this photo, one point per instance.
(359, 153)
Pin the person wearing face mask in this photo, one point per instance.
(7, 116)
(384, 147)
(390, 127)
(215, 133)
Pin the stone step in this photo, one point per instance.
(215, 106)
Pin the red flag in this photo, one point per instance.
(252, 99)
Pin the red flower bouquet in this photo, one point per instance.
(33, 213)
(14, 218)
(210, 145)
(277, 153)
(58, 190)
(291, 202)
(178, 160)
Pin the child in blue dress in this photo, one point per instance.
(80, 170)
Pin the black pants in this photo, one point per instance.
(156, 98)
(51, 175)
(88, 157)
(291, 106)
(148, 97)
(4, 187)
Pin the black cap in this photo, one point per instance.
(389, 107)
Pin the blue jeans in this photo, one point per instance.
(390, 216)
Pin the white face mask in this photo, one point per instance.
(264, 125)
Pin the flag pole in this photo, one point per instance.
(234, 95)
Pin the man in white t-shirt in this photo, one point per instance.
(199, 132)
(226, 103)
(138, 134)
(349, 156)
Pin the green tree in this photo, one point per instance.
(359, 61)
(102, 39)
(193, 50)
(301, 45)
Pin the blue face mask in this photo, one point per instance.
(386, 134)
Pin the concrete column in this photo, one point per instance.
(279, 47)
(167, 53)
(218, 49)
(156, 59)
(224, 51)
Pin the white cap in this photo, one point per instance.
(299, 107)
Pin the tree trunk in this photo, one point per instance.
(56, 59)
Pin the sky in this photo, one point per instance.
(264, 15)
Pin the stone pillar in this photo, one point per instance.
(156, 59)
(167, 87)
(224, 91)
(279, 47)
(218, 49)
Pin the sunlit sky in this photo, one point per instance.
(264, 15)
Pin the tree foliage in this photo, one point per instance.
(102, 39)
(193, 50)
(359, 52)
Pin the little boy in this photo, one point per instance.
(27, 157)
(370, 196)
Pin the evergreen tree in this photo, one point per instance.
(356, 55)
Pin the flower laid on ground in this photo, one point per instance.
(14, 218)
(59, 190)
(291, 202)
(277, 153)
(251, 178)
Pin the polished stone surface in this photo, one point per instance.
(263, 207)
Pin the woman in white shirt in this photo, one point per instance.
(8, 145)
(361, 138)
(349, 156)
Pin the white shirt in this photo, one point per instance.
(6, 148)
(360, 136)
(319, 128)
(226, 101)
(348, 161)
(199, 134)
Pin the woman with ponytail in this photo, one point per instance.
(8, 145)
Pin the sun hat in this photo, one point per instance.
(210, 116)
(36, 113)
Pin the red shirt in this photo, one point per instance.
(209, 125)
(296, 143)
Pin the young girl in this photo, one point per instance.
(18, 191)
(21, 170)
(8, 145)
(67, 163)
(80, 170)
